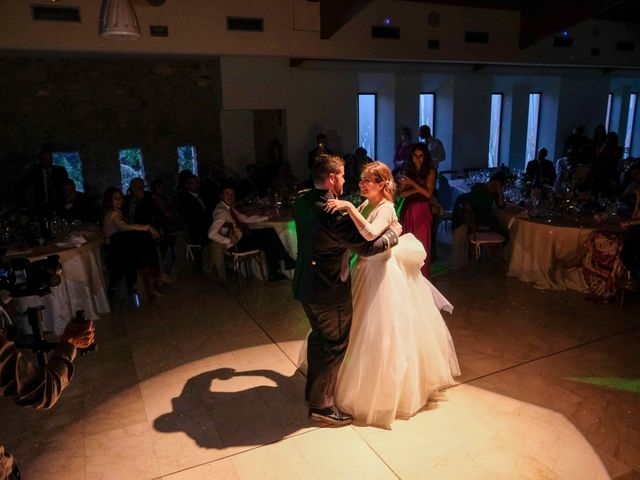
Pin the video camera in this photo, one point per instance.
(22, 278)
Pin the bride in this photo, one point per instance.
(400, 351)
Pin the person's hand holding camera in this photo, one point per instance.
(80, 335)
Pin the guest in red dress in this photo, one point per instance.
(416, 187)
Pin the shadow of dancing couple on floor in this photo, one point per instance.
(256, 415)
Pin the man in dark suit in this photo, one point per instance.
(541, 171)
(44, 182)
(75, 205)
(323, 285)
(194, 211)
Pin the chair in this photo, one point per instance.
(242, 263)
(190, 247)
(482, 237)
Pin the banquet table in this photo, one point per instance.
(548, 251)
(285, 227)
(82, 286)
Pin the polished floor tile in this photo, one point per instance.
(203, 384)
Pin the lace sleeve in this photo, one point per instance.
(379, 220)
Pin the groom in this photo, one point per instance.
(322, 282)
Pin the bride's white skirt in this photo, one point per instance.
(400, 350)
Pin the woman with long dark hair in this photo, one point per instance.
(417, 185)
(131, 246)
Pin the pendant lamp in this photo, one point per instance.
(118, 20)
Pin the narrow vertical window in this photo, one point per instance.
(131, 166)
(628, 138)
(187, 159)
(428, 111)
(73, 164)
(607, 118)
(532, 126)
(494, 130)
(367, 122)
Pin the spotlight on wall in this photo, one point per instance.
(118, 20)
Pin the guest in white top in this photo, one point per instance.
(131, 246)
(229, 228)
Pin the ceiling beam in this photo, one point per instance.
(334, 14)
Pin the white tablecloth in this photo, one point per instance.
(547, 254)
(82, 287)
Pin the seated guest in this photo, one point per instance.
(165, 220)
(42, 183)
(541, 171)
(138, 204)
(482, 198)
(164, 215)
(183, 177)
(194, 211)
(564, 168)
(131, 245)
(74, 205)
(229, 228)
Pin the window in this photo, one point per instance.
(608, 116)
(187, 159)
(71, 161)
(494, 130)
(630, 120)
(427, 111)
(367, 122)
(131, 166)
(532, 126)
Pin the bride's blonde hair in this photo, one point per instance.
(380, 173)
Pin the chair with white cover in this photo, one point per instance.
(242, 262)
(481, 237)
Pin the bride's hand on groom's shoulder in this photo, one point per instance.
(335, 205)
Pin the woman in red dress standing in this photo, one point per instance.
(416, 187)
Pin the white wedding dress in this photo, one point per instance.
(400, 350)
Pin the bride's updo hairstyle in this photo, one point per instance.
(380, 173)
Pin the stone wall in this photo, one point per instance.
(99, 105)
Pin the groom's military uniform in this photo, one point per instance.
(322, 284)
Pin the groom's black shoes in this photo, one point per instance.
(330, 415)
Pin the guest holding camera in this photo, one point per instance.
(32, 386)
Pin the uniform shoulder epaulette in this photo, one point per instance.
(302, 192)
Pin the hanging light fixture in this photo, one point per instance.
(118, 20)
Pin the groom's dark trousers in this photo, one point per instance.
(323, 285)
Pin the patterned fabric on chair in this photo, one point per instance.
(602, 266)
